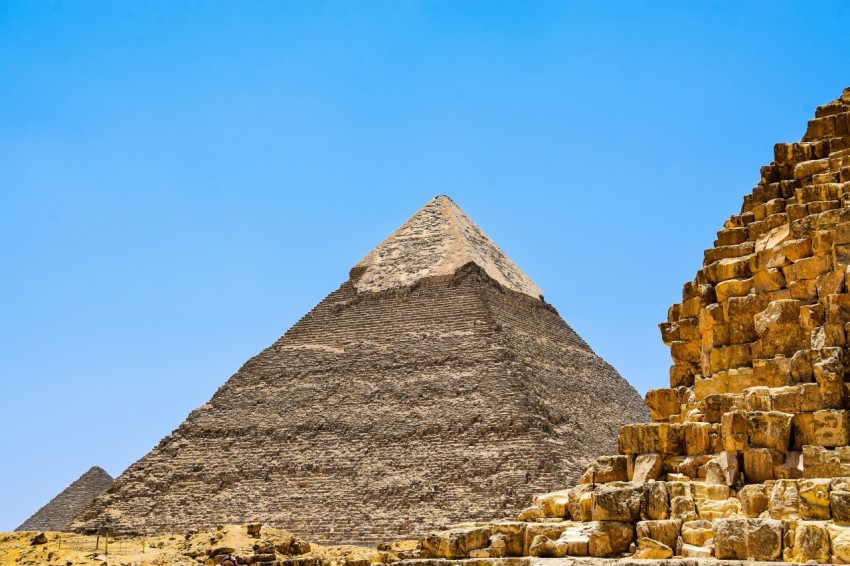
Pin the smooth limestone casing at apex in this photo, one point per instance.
(434, 386)
(748, 454)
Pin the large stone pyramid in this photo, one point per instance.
(61, 510)
(748, 456)
(434, 385)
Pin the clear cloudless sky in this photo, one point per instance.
(181, 181)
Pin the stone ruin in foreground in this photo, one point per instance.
(434, 386)
(748, 454)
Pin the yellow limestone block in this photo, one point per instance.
(610, 538)
(814, 498)
(665, 532)
(748, 539)
(785, 500)
(554, 504)
(830, 428)
(810, 542)
(839, 540)
(652, 549)
(754, 498)
(697, 533)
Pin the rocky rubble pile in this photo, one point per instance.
(250, 544)
(748, 454)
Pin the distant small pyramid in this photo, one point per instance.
(434, 385)
(58, 513)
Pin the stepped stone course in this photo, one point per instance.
(747, 457)
(435, 377)
(57, 514)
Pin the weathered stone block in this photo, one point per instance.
(828, 335)
(697, 533)
(714, 492)
(770, 429)
(814, 499)
(839, 506)
(710, 509)
(831, 283)
(643, 438)
(784, 500)
(697, 438)
(692, 467)
(718, 405)
(733, 288)
(650, 549)
(580, 502)
(509, 536)
(543, 547)
(606, 469)
(454, 543)
(685, 351)
(683, 508)
(755, 498)
(725, 269)
(554, 504)
(531, 513)
(785, 399)
(733, 430)
(655, 501)
(610, 538)
(810, 397)
(665, 532)
(646, 467)
(723, 469)
(662, 403)
(768, 280)
(576, 540)
(810, 543)
(839, 542)
(792, 467)
(551, 531)
(692, 551)
(830, 428)
(818, 462)
(757, 399)
(779, 329)
(616, 502)
(758, 465)
(748, 539)
(808, 268)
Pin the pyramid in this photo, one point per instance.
(60, 511)
(748, 454)
(432, 379)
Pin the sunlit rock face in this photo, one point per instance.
(747, 457)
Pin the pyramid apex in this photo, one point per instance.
(97, 470)
(438, 240)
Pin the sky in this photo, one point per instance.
(181, 181)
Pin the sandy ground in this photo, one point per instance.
(193, 549)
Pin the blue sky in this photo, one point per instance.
(180, 182)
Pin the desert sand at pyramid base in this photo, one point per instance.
(748, 454)
(249, 544)
(434, 386)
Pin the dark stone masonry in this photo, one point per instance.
(61, 510)
(435, 385)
